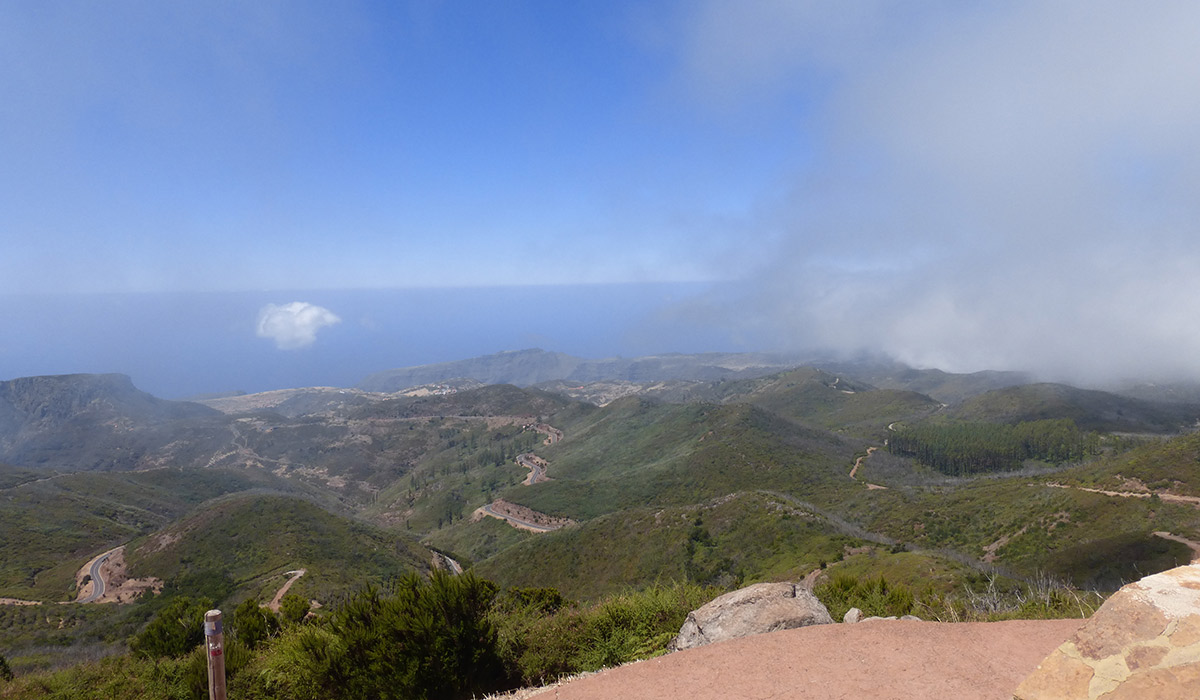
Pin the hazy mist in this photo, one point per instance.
(1004, 185)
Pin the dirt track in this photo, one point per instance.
(876, 660)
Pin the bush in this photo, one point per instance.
(542, 645)
(252, 623)
(293, 607)
(873, 596)
(175, 630)
(428, 640)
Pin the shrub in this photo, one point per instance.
(541, 645)
(873, 596)
(293, 607)
(252, 623)
(428, 640)
(175, 630)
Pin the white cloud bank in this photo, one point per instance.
(295, 325)
(1004, 185)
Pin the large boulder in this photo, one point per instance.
(1144, 642)
(763, 607)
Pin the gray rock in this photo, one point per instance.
(876, 617)
(852, 615)
(910, 617)
(757, 609)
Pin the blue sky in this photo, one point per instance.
(282, 145)
(962, 185)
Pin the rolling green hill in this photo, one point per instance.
(736, 539)
(1090, 410)
(832, 402)
(634, 452)
(244, 542)
(52, 525)
(92, 422)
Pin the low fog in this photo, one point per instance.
(985, 185)
(1006, 185)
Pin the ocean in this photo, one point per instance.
(176, 345)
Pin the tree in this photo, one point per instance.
(175, 630)
(293, 607)
(253, 624)
(427, 641)
(6, 673)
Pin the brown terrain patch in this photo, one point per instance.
(119, 588)
(520, 517)
(1193, 501)
(858, 462)
(18, 601)
(876, 660)
(293, 577)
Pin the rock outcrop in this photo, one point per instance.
(763, 607)
(1144, 642)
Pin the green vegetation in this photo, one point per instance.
(674, 504)
(988, 598)
(1089, 410)
(822, 399)
(65, 519)
(443, 637)
(423, 639)
(244, 542)
(543, 638)
(738, 539)
(173, 631)
(961, 449)
(635, 453)
(873, 596)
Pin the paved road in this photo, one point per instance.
(97, 579)
(537, 472)
(524, 523)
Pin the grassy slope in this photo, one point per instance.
(1088, 538)
(636, 453)
(739, 538)
(1091, 410)
(250, 538)
(834, 403)
(64, 520)
(1171, 465)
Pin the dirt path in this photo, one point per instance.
(858, 462)
(1168, 497)
(877, 660)
(295, 575)
(1195, 546)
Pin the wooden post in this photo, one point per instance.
(214, 642)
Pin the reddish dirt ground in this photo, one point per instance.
(877, 660)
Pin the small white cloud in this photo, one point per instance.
(294, 325)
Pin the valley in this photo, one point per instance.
(114, 503)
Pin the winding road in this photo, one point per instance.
(537, 472)
(97, 580)
(517, 521)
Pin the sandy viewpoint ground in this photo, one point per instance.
(877, 660)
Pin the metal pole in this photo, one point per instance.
(214, 642)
